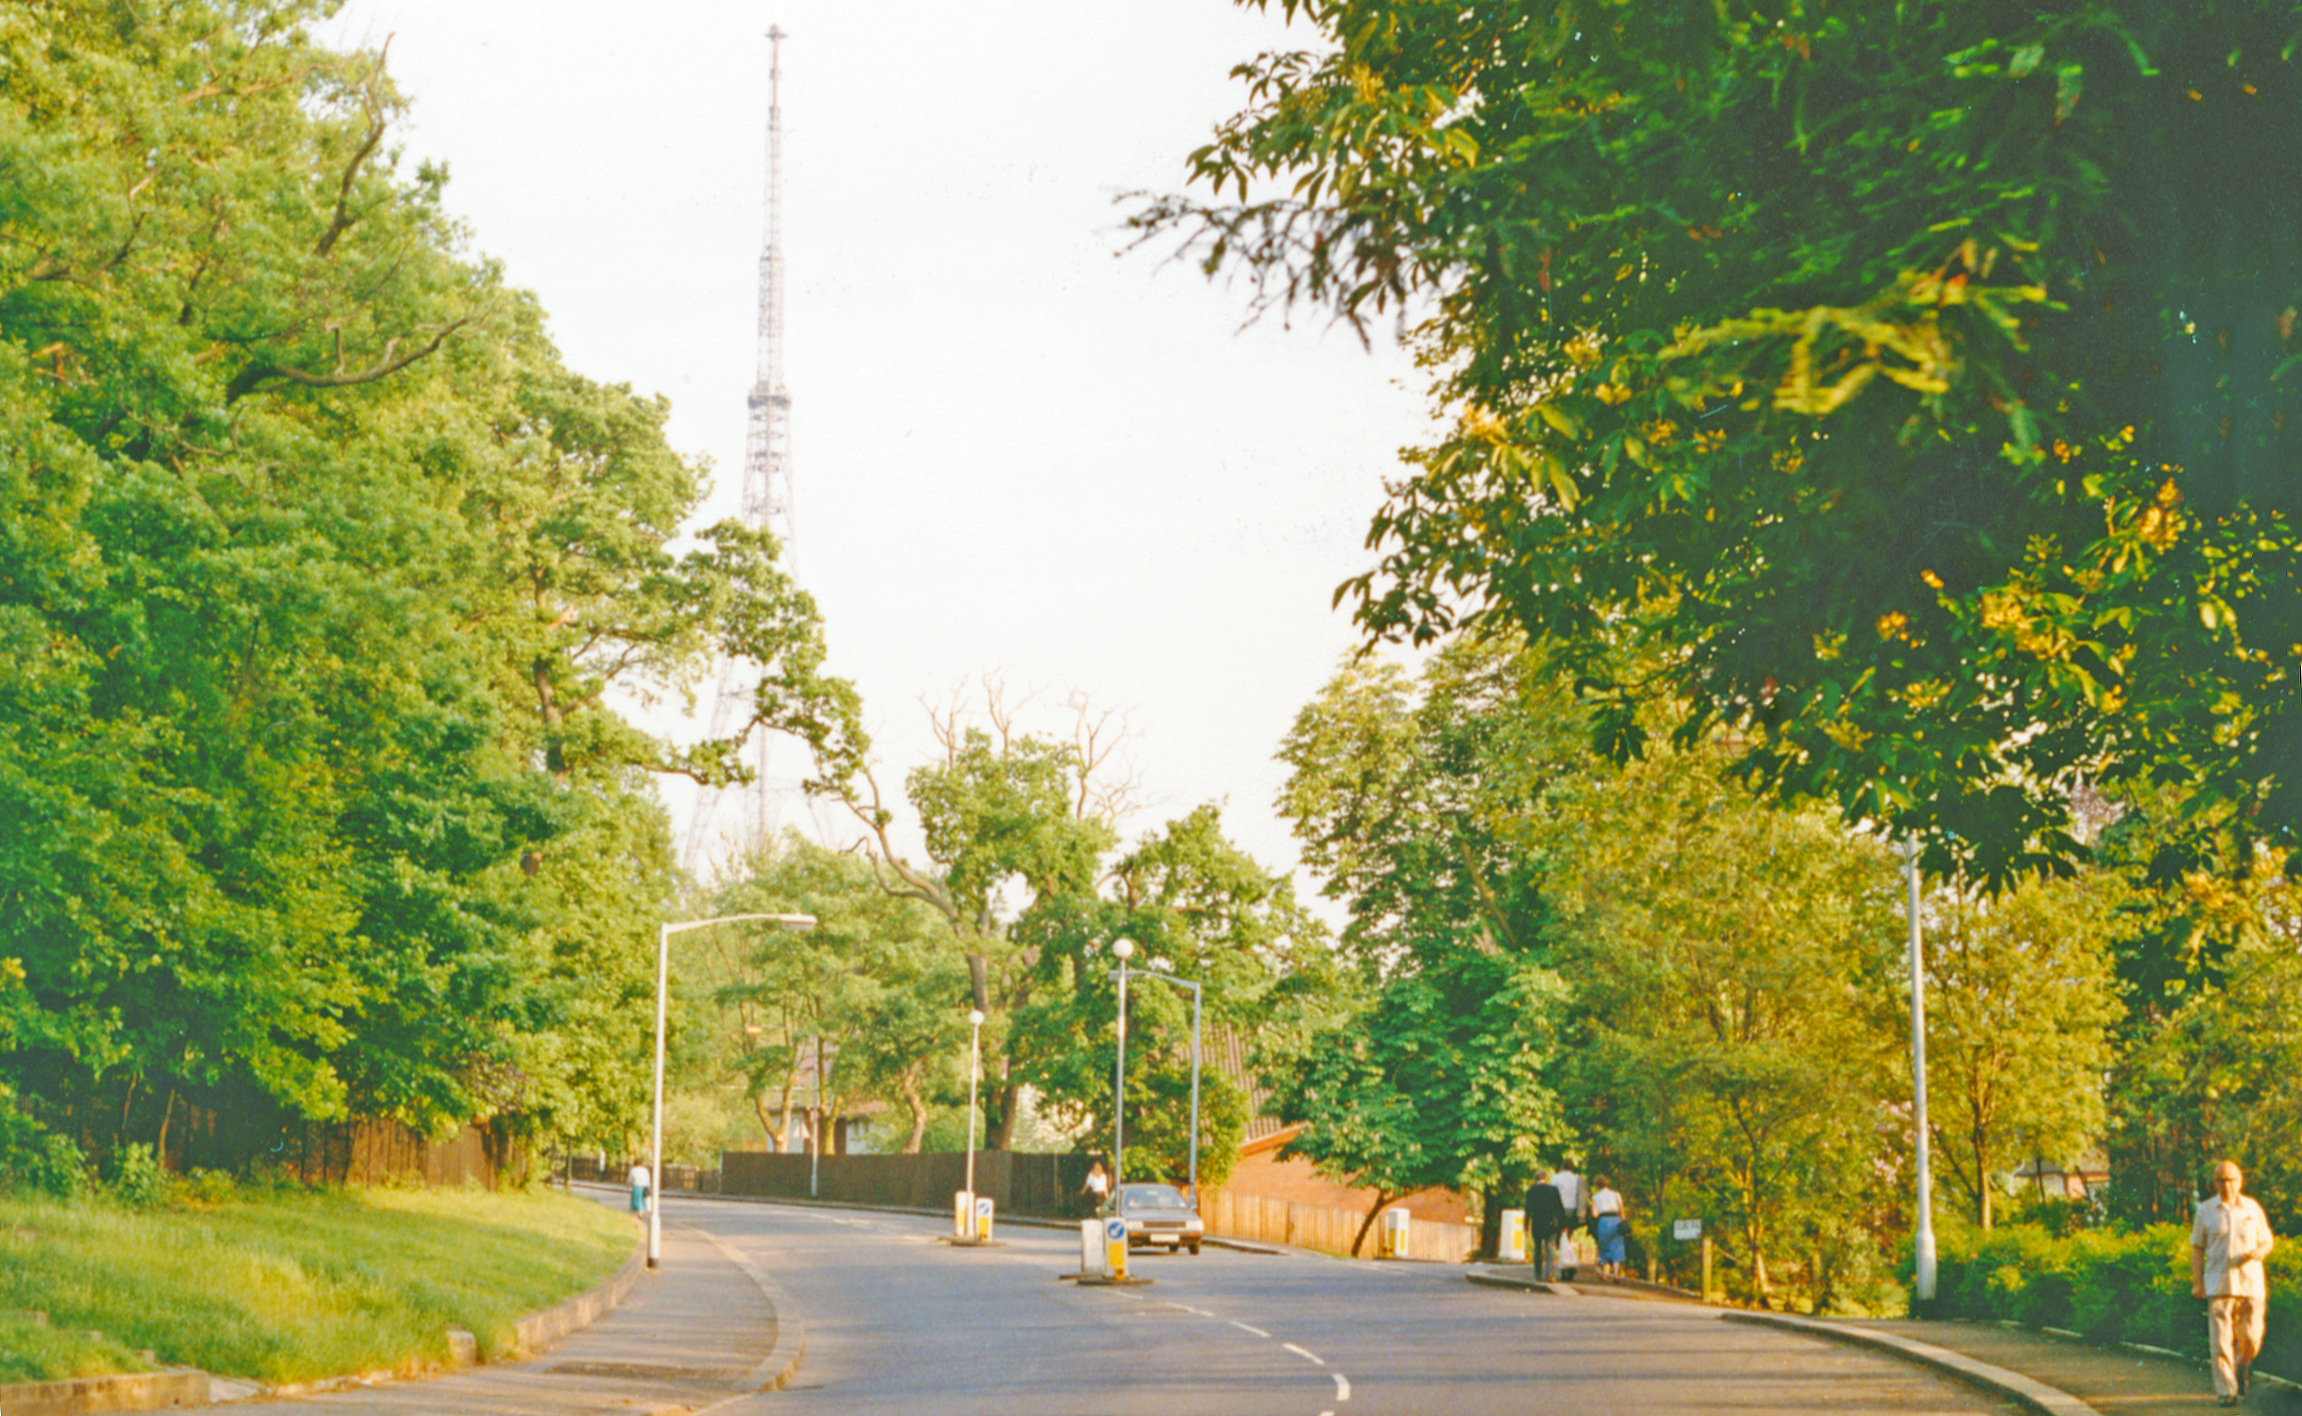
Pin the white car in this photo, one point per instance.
(1157, 1215)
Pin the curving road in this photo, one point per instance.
(896, 1321)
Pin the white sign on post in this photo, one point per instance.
(1686, 1230)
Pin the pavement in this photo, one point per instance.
(703, 1330)
(2059, 1374)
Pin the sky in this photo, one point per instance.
(1019, 449)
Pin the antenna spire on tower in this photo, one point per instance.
(767, 498)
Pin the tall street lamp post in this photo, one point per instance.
(974, 1075)
(662, 998)
(1922, 1242)
(1158, 972)
(1122, 950)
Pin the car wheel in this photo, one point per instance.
(1194, 1251)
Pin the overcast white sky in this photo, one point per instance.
(1016, 451)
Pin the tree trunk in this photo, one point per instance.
(1382, 1198)
(918, 1106)
(167, 1114)
(1002, 1131)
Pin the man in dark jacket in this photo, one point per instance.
(1546, 1221)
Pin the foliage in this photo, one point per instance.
(2111, 1285)
(137, 1179)
(1909, 380)
(297, 1285)
(317, 570)
(1737, 988)
(1409, 797)
(1025, 870)
(2019, 1005)
(873, 980)
(2213, 1069)
(1197, 908)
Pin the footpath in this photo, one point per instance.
(2052, 1373)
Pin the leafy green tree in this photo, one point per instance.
(1736, 983)
(874, 982)
(1410, 798)
(316, 570)
(2020, 999)
(1198, 908)
(1912, 380)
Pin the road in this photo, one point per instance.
(896, 1321)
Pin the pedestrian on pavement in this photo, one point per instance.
(1573, 1194)
(1098, 1186)
(1608, 1227)
(2229, 1239)
(642, 1188)
(1546, 1220)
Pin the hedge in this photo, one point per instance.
(2110, 1286)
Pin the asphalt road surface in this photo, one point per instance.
(897, 1321)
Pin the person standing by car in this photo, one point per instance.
(1546, 1220)
(2229, 1239)
(1607, 1226)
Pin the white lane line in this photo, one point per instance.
(1342, 1386)
(1255, 1330)
(1306, 1354)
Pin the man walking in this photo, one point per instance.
(1546, 1220)
(2229, 1239)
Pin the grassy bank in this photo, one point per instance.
(291, 1286)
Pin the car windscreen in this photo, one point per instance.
(1164, 1197)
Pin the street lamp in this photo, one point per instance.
(974, 1074)
(1121, 949)
(1196, 992)
(662, 996)
(1922, 1242)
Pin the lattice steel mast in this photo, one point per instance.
(767, 502)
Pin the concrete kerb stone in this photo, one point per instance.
(538, 1331)
(124, 1391)
(782, 1361)
(2035, 1394)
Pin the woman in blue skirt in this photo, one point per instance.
(1607, 1227)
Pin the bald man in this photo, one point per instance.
(2229, 1239)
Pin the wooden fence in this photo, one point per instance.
(1327, 1229)
(1048, 1186)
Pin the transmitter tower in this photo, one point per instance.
(749, 815)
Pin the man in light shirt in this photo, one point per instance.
(2229, 1239)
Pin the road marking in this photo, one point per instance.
(1255, 1330)
(1306, 1354)
(1342, 1386)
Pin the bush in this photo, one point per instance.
(138, 1181)
(2111, 1286)
(60, 1168)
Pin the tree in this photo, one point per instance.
(1909, 381)
(1199, 908)
(873, 982)
(2019, 1004)
(1736, 990)
(1024, 866)
(1409, 798)
(316, 569)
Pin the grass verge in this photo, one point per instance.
(292, 1286)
